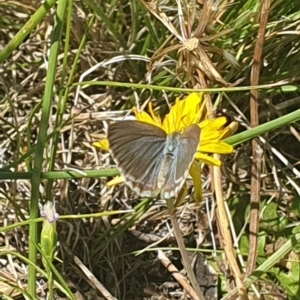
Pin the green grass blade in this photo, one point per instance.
(26, 29)
(41, 141)
(261, 129)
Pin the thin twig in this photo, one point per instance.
(176, 274)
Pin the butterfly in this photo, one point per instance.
(150, 160)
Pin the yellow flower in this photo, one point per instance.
(182, 114)
(189, 111)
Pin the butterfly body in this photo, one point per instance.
(150, 160)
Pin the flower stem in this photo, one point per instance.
(186, 261)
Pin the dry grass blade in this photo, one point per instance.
(256, 149)
(93, 281)
(222, 219)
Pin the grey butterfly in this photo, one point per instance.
(150, 160)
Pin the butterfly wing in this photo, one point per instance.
(137, 149)
(177, 165)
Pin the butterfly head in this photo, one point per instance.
(172, 143)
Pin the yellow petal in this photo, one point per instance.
(207, 159)
(191, 105)
(218, 123)
(183, 113)
(144, 117)
(203, 124)
(207, 135)
(195, 172)
(102, 144)
(213, 125)
(171, 121)
(229, 130)
(215, 147)
(115, 181)
(156, 119)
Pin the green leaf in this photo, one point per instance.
(261, 243)
(271, 221)
(289, 88)
(290, 279)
